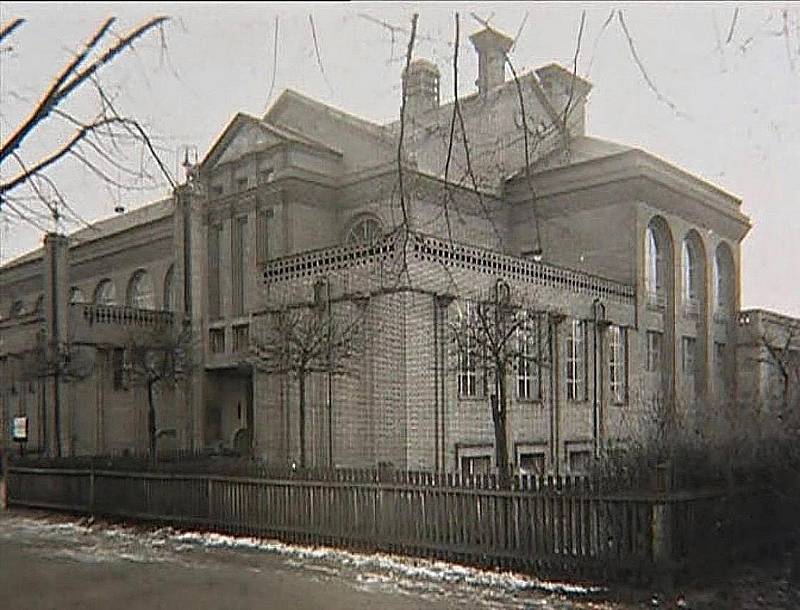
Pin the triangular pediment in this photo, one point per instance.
(249, 138)
(243, 135)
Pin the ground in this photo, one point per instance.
(62, 562)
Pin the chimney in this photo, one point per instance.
(492, 47)
(421, 87)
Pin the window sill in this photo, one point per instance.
(529, 401)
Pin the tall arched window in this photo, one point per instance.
(39, 307)
(105, 293)
(76, 296)
(140, 291)
(364, 230)
(169, 289)
(693, 274)
(689, 273)
(723, 279)
(653, 265)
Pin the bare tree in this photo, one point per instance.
(160, 358)
(782, 357)
(308, 338)
(495, 337)
(61, 362)
(97, 141)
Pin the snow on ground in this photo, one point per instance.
(83, 541)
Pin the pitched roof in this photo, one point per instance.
(104, 228)
(290, 96)
(581, 148)
(282, 132)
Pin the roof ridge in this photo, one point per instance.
(375, 128)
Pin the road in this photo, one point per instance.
(50, 562)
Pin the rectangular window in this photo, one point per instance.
(576, 361)
(477, 464)
(467, 374)
(580, 461)
(653, 351)
(216, 340)
(262, 236)
(118, 368)
(213, 271)
(238, 228)
(241, 183)
(532, 463)
(528, 362)
(689, 355)
(617, 363)
(216, 190)
(241, 338)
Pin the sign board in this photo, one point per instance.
(20, 429)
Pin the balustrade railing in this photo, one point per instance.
(121, 315)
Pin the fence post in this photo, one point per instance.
(3, 479)
(663, 532)
(91, 488)
(208, 499)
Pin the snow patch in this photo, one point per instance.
(430, 570)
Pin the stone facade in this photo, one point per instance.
(639, 257)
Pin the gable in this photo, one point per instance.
(242, 135)
(248, 138)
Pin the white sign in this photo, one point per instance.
(20, 429)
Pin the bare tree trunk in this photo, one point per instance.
(301, 381)
(499, 416)
(151, 420)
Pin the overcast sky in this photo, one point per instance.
(726, 104)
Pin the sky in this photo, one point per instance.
(716, 89)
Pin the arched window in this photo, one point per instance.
(653, 266)
(690, 283)
(76, 296)
(364, 230)
(723, 278)
(169, 289)
(105, 293)
(140, 291)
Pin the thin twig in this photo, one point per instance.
(574, 76)
(452, 132)
(274, 60)
(316, 51)
(603, 28)
(644, 73)
(733, 25)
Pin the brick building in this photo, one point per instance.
(632, 262)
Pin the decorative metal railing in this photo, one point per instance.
(311, 263)
(487, 261)
(428, 248)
